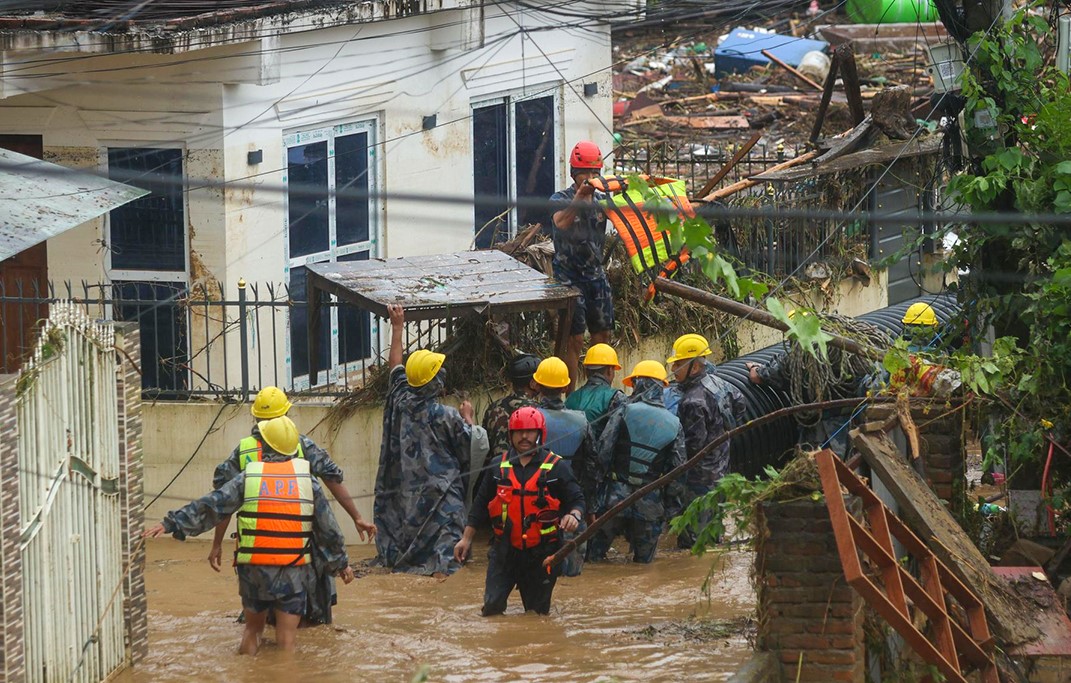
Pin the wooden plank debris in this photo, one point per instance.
(712, 122)
(745, 184)
(795, 72)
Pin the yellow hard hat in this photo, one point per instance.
(270, 402)
(920, 314)
(422, 366)
(647, 368)
(281, 434)
(602, 354)
(552, 372)
(689, 346)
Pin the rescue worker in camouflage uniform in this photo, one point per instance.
(427, 448)
(282, 516)
(528, 500)
(496, 417)
(730, 399)
(272, 402)
(642, 441)
(578, 230)
(568, 436)
(703, 420)
(597, 397)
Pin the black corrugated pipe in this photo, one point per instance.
(770, 444)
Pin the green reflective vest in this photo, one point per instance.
(250, 449)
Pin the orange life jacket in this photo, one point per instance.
(648, 247)
(275, 520)
(527, 514)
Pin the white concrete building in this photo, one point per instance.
(248, 121)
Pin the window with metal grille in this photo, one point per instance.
(148, 233)
(157, 309)
(146, 242)
(331, 217)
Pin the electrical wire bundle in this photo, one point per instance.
(812, 379)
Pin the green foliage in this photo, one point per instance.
(1018, 129)
(897, 358)
(803, 327)
(697, 236)
(730, 507)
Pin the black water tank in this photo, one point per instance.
(772, 443)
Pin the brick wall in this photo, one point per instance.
(12, 653)
(804, 604)
(943, 446)
(131, 475)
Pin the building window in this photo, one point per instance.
(330, 217)
(149, 233)
(147, 261)
(513, 157)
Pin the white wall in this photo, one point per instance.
(223, 102)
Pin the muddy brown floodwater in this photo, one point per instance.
(617, 621)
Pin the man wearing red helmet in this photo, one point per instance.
(579, 235)
(526, 500)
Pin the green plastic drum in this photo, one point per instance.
(891, 11)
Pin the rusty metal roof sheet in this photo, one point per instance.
(442, 285)
(39, 200)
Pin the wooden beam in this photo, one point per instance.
(1013, 620)
(724, 170)
(758, 315)
(795, 72)
(745, 184)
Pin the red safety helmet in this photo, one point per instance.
(527, 417)
(586, 154)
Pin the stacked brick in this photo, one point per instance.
(942, 446)
(131, 477)
(12, 652)
(807, 613)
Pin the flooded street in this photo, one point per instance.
(617, 621)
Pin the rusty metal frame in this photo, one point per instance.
(952, 644)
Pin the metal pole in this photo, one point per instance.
(243, 339)
(751, 313)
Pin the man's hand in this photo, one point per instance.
(467, 413)
(753, 372)
(461, 550)
(366, 530)
(570, 522)
(215, 556)
(585, 191)
(396, 313)
(155, 531)
(346, 574)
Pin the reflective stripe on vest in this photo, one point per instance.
(527, 514)
(565, 431)
(647, 246)
(275, 520)
(650, 430)
(250, 449)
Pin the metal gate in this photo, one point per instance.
(70, 508)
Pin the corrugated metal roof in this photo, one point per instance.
(39, 200)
